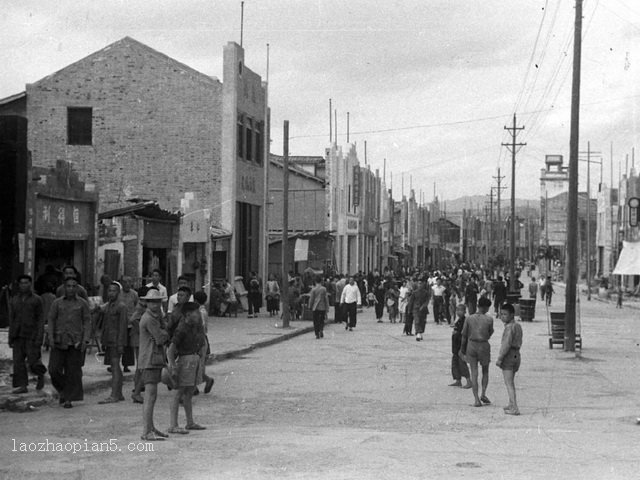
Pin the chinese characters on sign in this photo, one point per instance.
(61, 219)
(195, 226)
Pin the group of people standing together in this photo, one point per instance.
(168, 337)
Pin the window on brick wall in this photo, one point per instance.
(240, 136)
(249, 139)
(79, 123)
(259, 142)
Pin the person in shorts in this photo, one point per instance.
(509, 356)
(476, 333)
(188, 347)
(151, 359)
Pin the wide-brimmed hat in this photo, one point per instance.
(152, 295)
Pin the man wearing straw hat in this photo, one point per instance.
(151, 359)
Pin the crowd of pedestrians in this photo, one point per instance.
(406, 297)
(165, 336)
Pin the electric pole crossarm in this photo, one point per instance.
(513, 148)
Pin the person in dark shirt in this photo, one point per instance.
(459, 367)
(114, 339)
(471, 296)
(70, 331)
(26, 332)
(176, 315)
(420, 308)
(69, 271)
(499, 293)
(187, 348)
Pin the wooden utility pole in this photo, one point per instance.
(499, 188)
(513, 147)
(266, 135)
(330, 123)
(572, 208)
(491, 228)
(590, 154)
(285, 227)
(241, 22)
(588, 220)
(347, 127)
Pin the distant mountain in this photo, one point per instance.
(476, 203)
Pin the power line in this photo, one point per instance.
(533, 52)
(411, 127)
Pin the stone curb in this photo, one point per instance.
(18, 404)
(219, 357)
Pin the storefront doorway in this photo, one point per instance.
(57, 254)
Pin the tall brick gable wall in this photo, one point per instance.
(156, 126)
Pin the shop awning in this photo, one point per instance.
(148, 210)
(218, 233)
(629, 259)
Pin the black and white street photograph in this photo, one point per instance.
(319, 239)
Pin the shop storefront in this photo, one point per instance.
(61, 224)
(146, 236)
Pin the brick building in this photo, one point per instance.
(310, 243)
(142, 126)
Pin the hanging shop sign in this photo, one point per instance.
(634, 203)
(63, 219)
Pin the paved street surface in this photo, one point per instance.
(368, 404)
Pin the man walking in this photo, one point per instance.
(438, 301)
(350, 299)
(420, 308)
(319, 304)
(70, 331)
(26, 332)
(339, 309)
(476, 332)
(471, 295)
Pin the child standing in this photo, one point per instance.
(459, 367)
(509, 356)
(201, 299)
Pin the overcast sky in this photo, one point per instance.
(429, 84)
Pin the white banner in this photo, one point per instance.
(629, 259)
(301, 253)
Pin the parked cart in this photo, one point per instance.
(556, 326)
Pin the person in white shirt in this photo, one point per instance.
(350, 299)
(438, 301)
(173, 299)
(156, 275)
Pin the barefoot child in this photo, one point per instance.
(476, 333)
(509, 356)
(459, 367)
